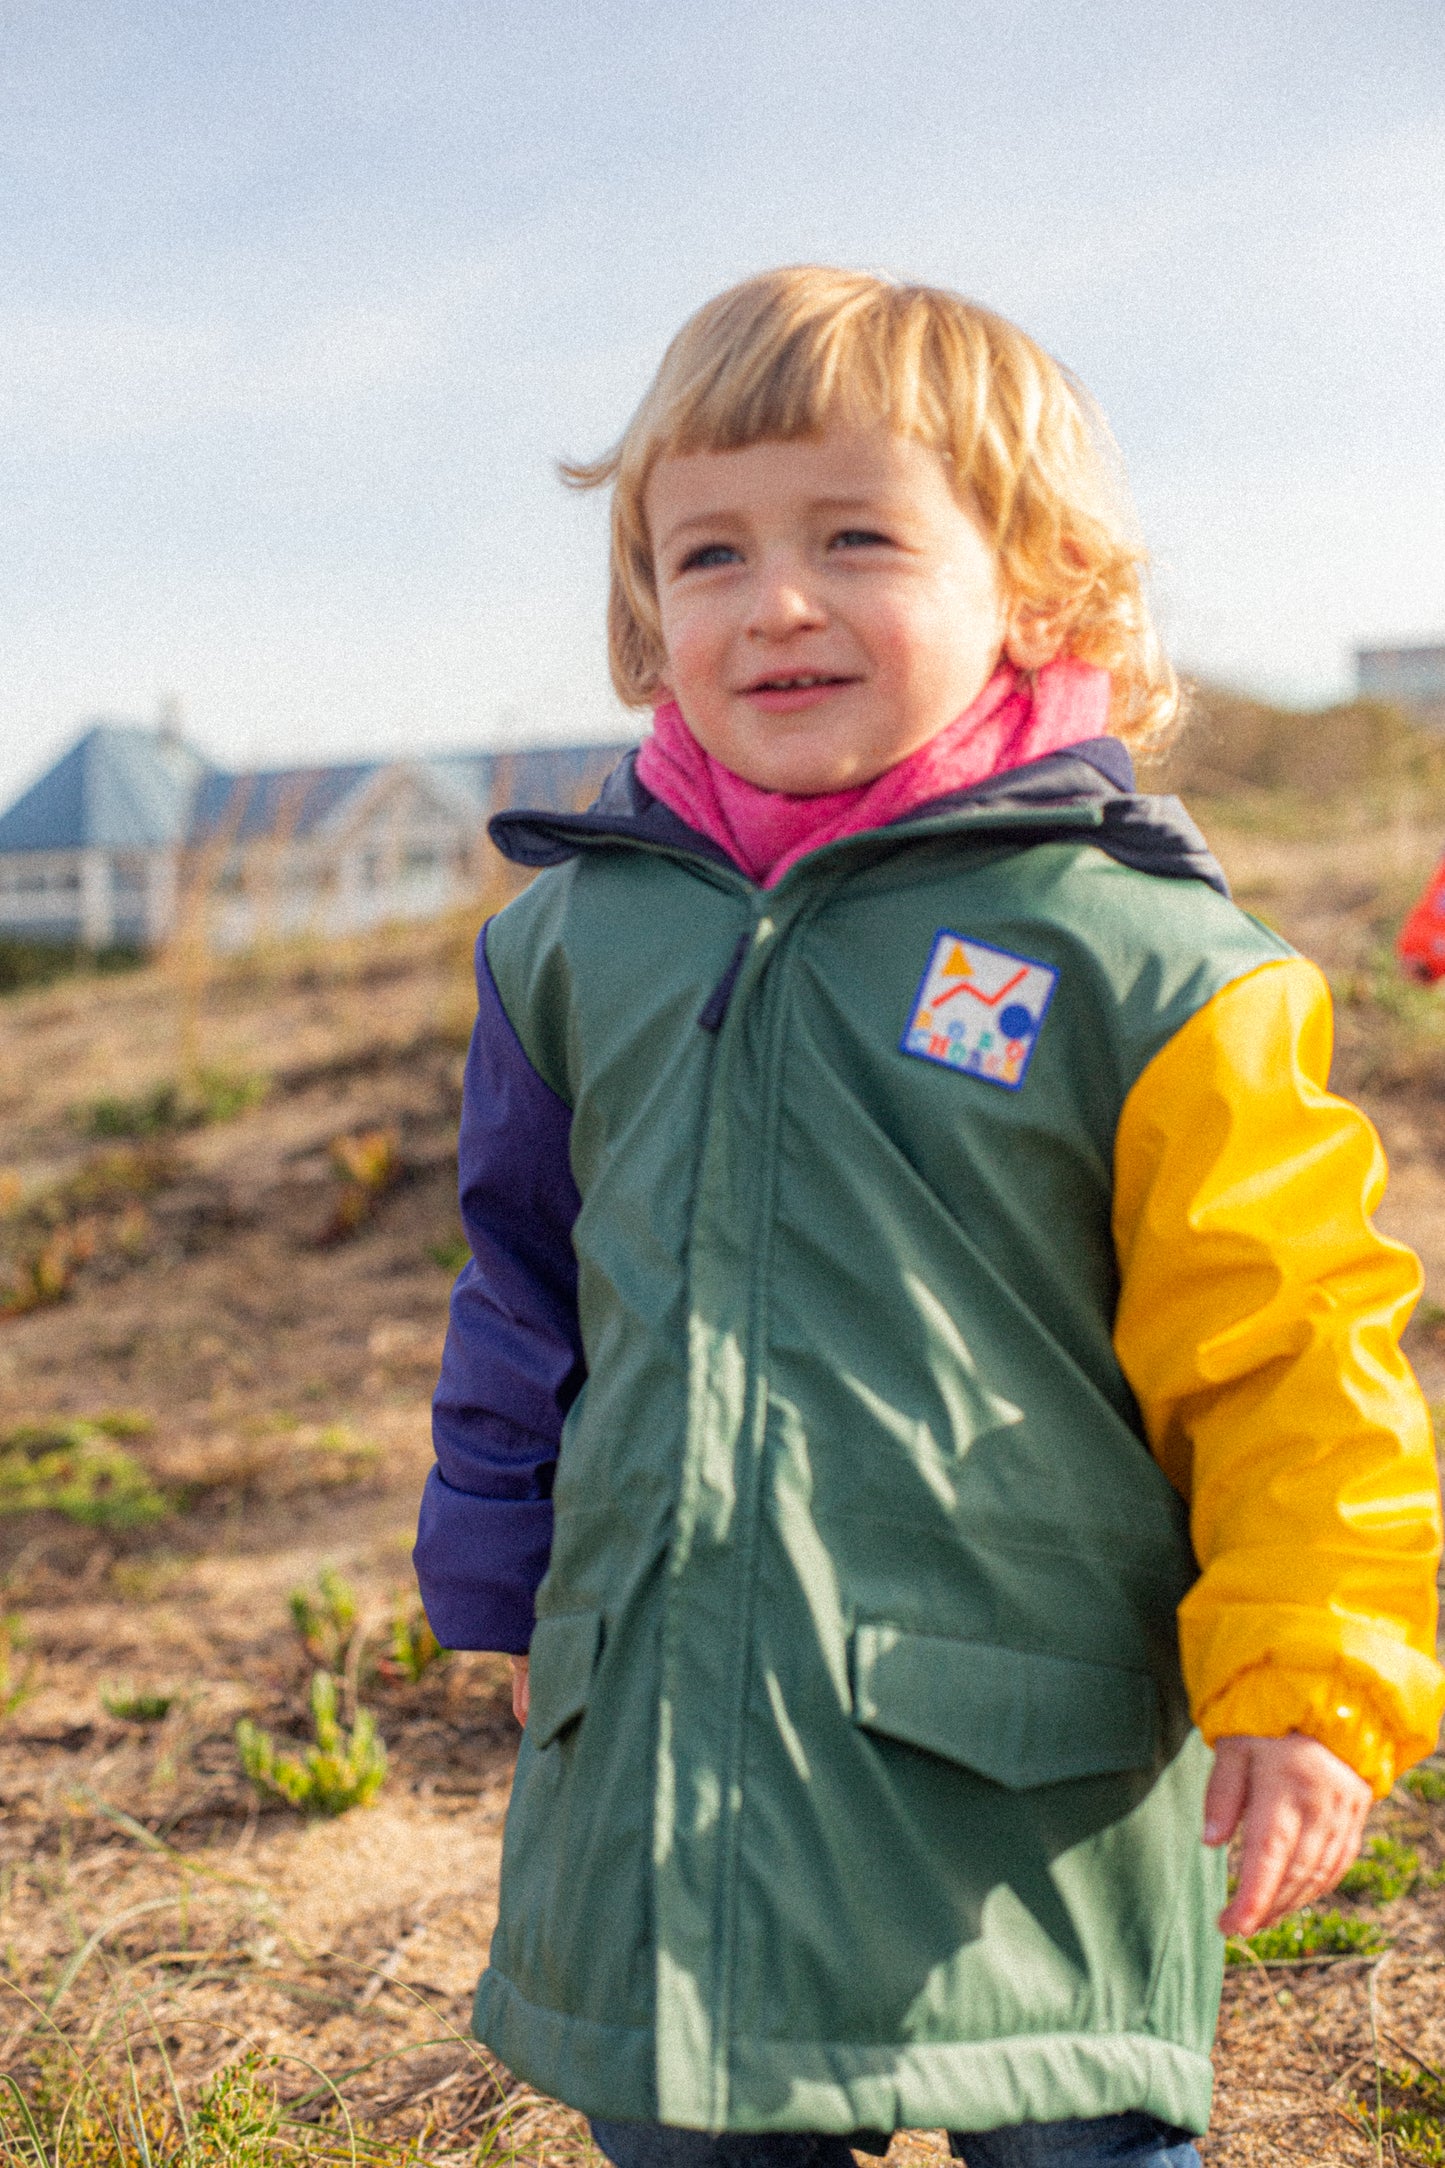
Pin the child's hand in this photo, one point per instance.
(519, 1689)
(1300, 1812)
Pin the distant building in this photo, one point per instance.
(133, 825)
(1413, 677)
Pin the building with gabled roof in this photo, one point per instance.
(1411, 674)
(107, 845)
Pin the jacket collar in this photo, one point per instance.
(1085, 793)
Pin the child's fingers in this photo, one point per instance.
(1325, 1848)
(1345, 1849)
(1306, 1878)
(521, 1692)
(1228, 1786)
(1306, 1874)
(1291, 1860)
(1267, 1849)
(1304, 1812)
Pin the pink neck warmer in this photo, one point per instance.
(1014, 719)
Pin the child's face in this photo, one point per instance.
(827, 604)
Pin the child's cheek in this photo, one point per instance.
(901, 645)
(696, 653)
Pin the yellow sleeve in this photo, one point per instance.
(1258, 1324)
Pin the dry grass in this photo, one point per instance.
(271, 1336)
(159, 1920)
(1301, 2043)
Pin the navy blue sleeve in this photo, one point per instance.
(513, 1361)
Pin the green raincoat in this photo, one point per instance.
(859, 1788)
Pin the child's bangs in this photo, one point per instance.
(798, 379)
(776, 399)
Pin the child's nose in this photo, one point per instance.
(784, 600)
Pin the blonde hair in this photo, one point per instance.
(791, 352)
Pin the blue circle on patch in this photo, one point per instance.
(1017, 1022)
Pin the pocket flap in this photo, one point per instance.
(559, 1674)
(1015, 1717)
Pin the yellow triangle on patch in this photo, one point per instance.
(956, 965)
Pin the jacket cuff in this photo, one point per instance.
(1337, 1708)
(479, 1562)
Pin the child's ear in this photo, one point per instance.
(1033, 635)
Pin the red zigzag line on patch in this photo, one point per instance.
(990, 1001)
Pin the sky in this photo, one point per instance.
(301, 301)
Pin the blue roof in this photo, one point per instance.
(120, 787)
(561, 777)
(123, 787)
(289, 801)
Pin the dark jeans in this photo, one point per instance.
(1107, 2141)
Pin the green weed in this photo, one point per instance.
(1418, 2134)
(98, 2119)
(113, 2063)
(451, 1255)
(325, 1619)
(370, 1159)
(17, 1680)
(236, 2117)
(212, 1095)
(123, 1423)
(219, 1095)
(102, 2117)
(136, 1707)
(367, 1165)
(1414, 2117)
(1385, 1871)
(1427, 1783)
(341, 1770)
(1308, 1934)
(336, 1455)
(61, 1228)
(144, 1580)
(112, 1179)
(46, 1272)
(414, 1647)
(150, 1114)
(78, 1469)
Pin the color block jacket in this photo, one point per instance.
(926, 1355)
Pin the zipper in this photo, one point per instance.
(783, 937)
(715, 1008)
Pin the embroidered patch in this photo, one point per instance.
(979, 1009)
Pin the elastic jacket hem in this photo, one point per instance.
(843, 2086)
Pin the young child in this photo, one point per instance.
(925, 1349)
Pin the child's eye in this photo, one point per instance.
(707, 555)
(859, 538)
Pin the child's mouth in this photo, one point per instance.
(785, 690)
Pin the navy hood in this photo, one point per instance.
(1148, 833)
